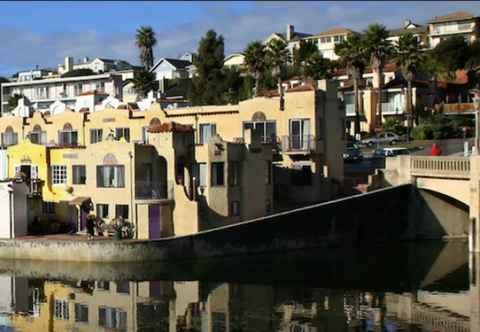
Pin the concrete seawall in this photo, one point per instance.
(375, 217)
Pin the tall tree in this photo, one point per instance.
(409, 57)
(208, 84)
(255, 60)
(316, 67)
(144, 81)
(352, 56)
(278, 56)
(379, 49)
(451, 54)
(145, 41)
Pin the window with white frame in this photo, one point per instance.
(112, 318)
(59, 174)
(61, 309)
(81, 312)
(111, 176)
(96, 135)
(207, 131)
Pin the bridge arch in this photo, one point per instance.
(454, 188)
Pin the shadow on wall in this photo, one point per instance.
(433, 216)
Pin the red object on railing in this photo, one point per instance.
(436, 150)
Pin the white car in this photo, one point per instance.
(382, 138)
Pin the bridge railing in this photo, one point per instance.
(445, 167)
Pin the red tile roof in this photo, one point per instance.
(94, 92)
(456, 16)
(170, 127)
(334, 31)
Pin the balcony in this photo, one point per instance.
(151, 190)
(458, 108)
(453, 29)
(298, 144)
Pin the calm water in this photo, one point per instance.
(426, 287)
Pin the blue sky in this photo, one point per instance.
(43, 33)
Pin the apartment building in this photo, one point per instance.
(191, 168)
(41, 94)
(459, 23)
(418, 30)
(327, 40)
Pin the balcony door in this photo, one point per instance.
(299, 134)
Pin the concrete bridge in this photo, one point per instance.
(453, 180)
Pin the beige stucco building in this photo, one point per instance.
(178, 171)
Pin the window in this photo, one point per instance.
(81, 313)
(77, 89)
(96, 135)
(121, 210)
(112, 318)
(9, 137)
(336, 39)
(41, 92)
(145, 134)
(299, 134)
(38, 136)
(61, 309)
(123, 287)
(68, 137)
(234, 173)
(111, 176)
(207, 131)
(59, 174)
(268, 172)
(122, 132)
(103, 285)
(268, 130)
(48, 208)
(102, 210)
(217, 174)
(200, 173)
(235, 208)
(79, 174)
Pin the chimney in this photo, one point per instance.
(85, 59)
(290, 32)
(406, 23)
(68, 64)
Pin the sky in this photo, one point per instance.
(44, 33)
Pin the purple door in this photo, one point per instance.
(154, 221)
(83, 219)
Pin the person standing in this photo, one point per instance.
(436, 150)
(91, 226)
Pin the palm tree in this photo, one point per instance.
(255, 62)
(277, 56)
(409, 57)
(317, 67)
(379, 49)
(351, 55)
(145, 40)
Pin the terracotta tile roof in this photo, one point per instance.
(305, 87)
(84, 110)
(456, 16)
(129, 106)
(170, 127)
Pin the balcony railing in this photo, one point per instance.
(391, 109)
(458, 108)
(151, 190)
(298, 143)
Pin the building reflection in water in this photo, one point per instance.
(37, 305)
(198, 306)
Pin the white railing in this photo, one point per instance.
(445, 167)
(389, 108)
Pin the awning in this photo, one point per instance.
(78, 200)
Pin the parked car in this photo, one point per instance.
(352, 153)
(390, 152)
(382, 138)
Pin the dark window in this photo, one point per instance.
(122, 132)
(235, 208)
(111, 176)
(217, 174)
(81, 312)
(123, 287)
(68, 138)
(102, 210)
(96, 135)
(121, 210)
(79, 174)
(234, 173)
(112, 318)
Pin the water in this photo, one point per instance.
(424, 287)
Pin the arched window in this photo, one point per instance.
(38, 136)
(155, 121)
(258, 116)
(67, 127)
(110, 159)
(37, 129)
(9, 137)
(68, 136)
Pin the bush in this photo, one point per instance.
(422, 132)
(394, 125)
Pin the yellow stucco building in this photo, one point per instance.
(178, 171)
